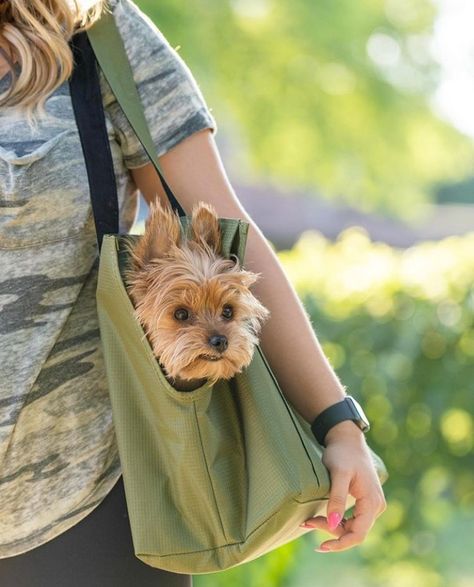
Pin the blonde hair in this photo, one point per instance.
(37, 33)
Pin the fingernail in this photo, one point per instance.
(333, 520)
(305, 525)
(322, 548)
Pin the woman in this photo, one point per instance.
(63, 514)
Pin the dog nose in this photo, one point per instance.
(219, 342)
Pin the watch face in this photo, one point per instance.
(363, 421)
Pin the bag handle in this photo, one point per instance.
(111, 55)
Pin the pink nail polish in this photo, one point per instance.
(333, 520)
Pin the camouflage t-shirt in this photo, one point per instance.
(58, 453)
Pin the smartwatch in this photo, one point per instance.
(347, 409)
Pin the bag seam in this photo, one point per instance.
(208, 473)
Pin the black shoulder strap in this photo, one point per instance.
(89, 112)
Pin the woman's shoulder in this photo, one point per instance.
(149, 52)
(173, 103)
(135, 26)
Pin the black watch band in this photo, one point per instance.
(347, 409)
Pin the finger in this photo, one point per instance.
(363, 520)
(337, 497)
(321, 523)
(344, 542)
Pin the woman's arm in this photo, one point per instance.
(194, 171)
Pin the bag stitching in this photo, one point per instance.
(208, 473)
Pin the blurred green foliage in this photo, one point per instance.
(327, 94)
(398, 327)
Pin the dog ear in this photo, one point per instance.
(162, 230)
(205, 226)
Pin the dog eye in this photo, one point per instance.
(181, 314)
(227, 312)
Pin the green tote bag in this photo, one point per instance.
(217, 476)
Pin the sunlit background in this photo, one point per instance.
(347, 130)
(453, 47)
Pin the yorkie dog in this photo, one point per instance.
(194, 305)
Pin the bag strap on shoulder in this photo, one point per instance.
(110, 53)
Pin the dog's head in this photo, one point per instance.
(195, 306)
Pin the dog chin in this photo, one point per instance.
(203, 367)
(211, 358)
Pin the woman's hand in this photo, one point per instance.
(350, 466)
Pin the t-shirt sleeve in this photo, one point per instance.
(173, 103)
